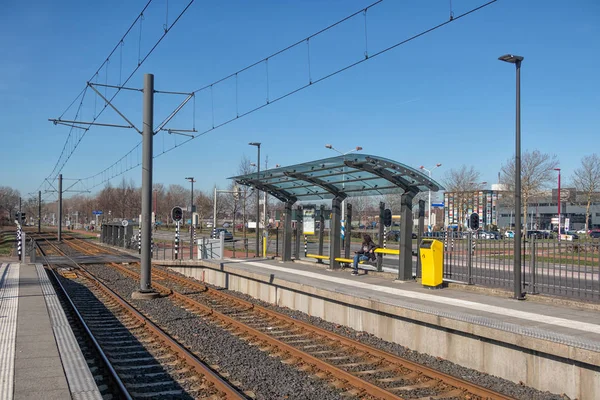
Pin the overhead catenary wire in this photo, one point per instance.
(310, 83)
(58, 166)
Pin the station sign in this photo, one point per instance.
(308, 220)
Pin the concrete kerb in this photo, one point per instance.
(441, 322)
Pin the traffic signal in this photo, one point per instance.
(474, 221)
(387, 217)
(177, 214)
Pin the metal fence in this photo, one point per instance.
(565, 268)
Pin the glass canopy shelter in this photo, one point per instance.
(336, 178)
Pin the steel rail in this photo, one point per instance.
(457, 382)
(192, 361)
(383, 355)
(115, 377)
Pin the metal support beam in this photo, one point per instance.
(421, 230)
(335, 232)
(406, 224)
(298, 230)
(146, 221)
(287, 233)
(40, 211)
(348, 230)
(59, 207)
(321, 230)
(380, 241)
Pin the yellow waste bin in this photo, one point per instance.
(432, 262)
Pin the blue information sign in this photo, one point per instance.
(97, 212)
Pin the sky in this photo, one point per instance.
(441, 98)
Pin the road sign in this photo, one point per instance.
(124, 222)
(554, 220)
(97, 212)
(437, 205)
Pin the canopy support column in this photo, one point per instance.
(287, 232)
(335, 232)
(348, 230)
(406, 225)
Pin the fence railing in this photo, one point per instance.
(566, 268)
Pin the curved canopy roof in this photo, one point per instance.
(341, 176)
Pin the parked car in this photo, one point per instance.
(595, 233)
(395, 235)
(573, 234)
(226, 225)
(215, 234)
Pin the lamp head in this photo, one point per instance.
(328, 146)
(438, 164)
(358, 148)
(557, 169)
(257, 144)
(510, 58)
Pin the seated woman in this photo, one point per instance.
(366, 253)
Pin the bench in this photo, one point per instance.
(319, 257)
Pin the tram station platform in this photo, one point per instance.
(39, 354)
(551, 344)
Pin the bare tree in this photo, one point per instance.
(361, 207)
(9, 200)
(462, 183)
(537, 171)
(587, 179)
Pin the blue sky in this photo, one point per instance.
(442, 98)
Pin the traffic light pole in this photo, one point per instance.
(59, 207)
(146, 291)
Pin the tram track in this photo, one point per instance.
(144, 362)
(356, 368)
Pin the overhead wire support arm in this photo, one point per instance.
(170, 117)
(115, 87)
(180, 132)
(114, 108)
(68, 123)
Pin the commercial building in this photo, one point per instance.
(496, 207)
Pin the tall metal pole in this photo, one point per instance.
(147, 139)
(215, 209)
(558, 169)
(258, 206)
(20, 218)
(518, 293)
(59, 207)
(40, 211)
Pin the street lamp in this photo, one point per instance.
(257, 144)
(558, 169)
(513, 59)
(192, 225)
(429, 206)
(357, 148)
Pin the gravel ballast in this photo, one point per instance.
(257, 372)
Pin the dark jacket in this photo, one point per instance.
(366, 250)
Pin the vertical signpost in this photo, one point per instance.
(308, 224)
(96, 213)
